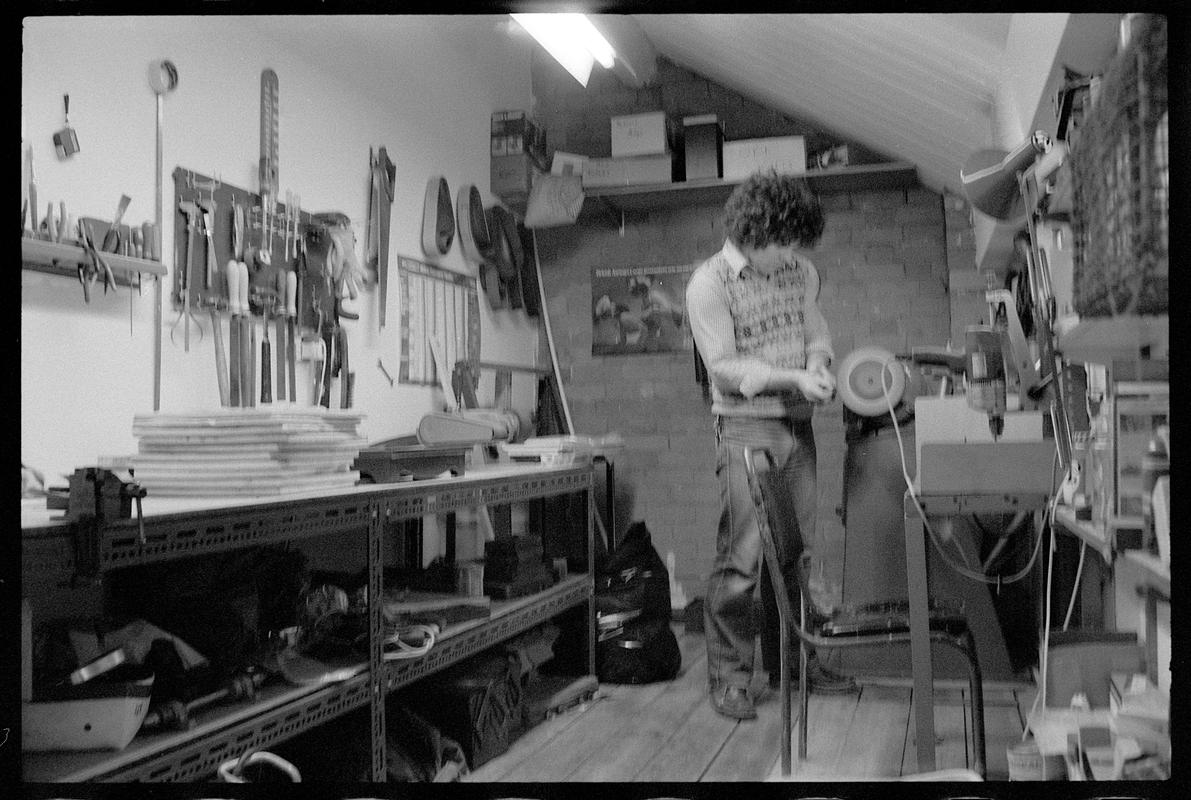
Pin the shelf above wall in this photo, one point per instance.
(650, 197)
(63, 258)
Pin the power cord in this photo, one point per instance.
(1083, 551)
(965, 568)
(396, 645)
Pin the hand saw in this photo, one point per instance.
(384, 173)
(268, 163)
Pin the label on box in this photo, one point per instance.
(639, 134)
(636, 171)
(786, 154)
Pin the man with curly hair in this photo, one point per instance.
(753, 310)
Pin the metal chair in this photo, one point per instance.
(865, 625)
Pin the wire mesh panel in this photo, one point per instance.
(1120, 175)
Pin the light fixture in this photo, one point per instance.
(571, 39)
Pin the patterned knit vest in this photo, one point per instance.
(768, 321)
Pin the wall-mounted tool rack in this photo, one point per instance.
(63, 258)
(176, 528)
(193, 187)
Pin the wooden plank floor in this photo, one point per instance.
(667, 732)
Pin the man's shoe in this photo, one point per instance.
(822, 680)
(733, 701)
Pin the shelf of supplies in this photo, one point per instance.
(177, 527)
(648, 197)
(1101, 339)
(282, 711)
(63, 258)
(1098, 537)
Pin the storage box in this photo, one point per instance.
(703, 147)
(640, 134)
(636, 171)
(512, 176)
(477, 703)
(567, 163)
(786, 154)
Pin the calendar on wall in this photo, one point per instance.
(438, 307)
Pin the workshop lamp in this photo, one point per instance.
(571, 39)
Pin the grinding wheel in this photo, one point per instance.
(860, 381)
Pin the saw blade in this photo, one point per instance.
(269, 135)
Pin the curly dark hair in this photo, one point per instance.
(769, 208)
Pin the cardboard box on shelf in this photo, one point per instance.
(641, 134)
(703, 147)
(567, 163)
(635, 171)
(512, 176)
(786, 154)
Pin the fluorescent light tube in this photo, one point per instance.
(571, 39)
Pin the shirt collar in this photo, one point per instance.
(736, 259)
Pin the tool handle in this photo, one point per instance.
(242, 285)
(232, 275)
(33, 208)
(291, 294)
(62, 229)
(220, 359)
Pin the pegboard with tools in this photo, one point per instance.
(216, 222)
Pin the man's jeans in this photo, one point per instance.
(728, 609)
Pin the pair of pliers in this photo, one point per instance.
(87, 276)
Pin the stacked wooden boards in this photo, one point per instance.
(246, 451)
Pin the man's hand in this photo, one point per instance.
(817, 385)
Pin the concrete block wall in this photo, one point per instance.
(884, 266)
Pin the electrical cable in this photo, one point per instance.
(402, 649)
(964, 569)
(1083, 551)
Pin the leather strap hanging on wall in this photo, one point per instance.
(474, 237)
(476, 242)
(438, 221)
(531, 294)
(503, 229)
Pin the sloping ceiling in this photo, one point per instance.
(920, 87)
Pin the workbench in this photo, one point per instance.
(194, 526)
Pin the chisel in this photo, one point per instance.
(220, 359)
(232, 274)
(291, 323)
(266, 359)
(280, 323)
(32, 194)
(247, 341)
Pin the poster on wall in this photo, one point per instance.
(639, 310)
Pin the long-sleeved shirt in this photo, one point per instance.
(746, 323)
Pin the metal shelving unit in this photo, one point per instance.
(175, 528)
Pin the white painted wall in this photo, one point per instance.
(83, 373)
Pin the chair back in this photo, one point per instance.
(774, 509)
